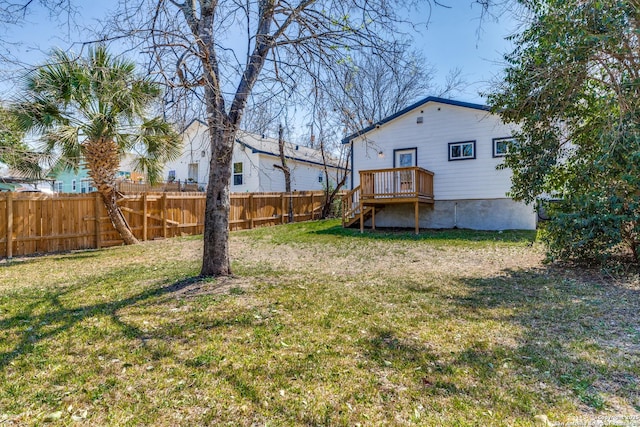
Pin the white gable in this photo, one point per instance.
(257, 156)
(430, 128)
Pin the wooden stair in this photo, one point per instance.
(354, 219)
(351, 207)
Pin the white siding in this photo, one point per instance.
(250, 169)
(304, 175)
(442, 123)
(258, 171)
(195, 141)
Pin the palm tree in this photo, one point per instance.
(92, 110)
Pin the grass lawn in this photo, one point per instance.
(320, 326)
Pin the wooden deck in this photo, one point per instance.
(382, 187)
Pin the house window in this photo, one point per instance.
(86, 186)
(462, 150)
(172, 176)
(237, 173)
(501, 146)
(73, 185)
(123, 175)
(57, 186)
(320, 177)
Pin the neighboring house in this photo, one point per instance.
(433, 165)
(253, 163)
(70, 181)
(16, 181)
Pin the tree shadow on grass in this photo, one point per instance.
(573, 343)
(400, 234)
(55, 257)
(580, 333)
(49, 310)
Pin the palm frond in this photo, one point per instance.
(160, 140)
(98, 97)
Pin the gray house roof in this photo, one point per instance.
(269, 146)
(420, 103)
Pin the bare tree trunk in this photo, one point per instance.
(103, 160)
(330, 194)
(285, 170)
(215, 260)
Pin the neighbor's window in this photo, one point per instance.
(320, 177)
(58, 186)
(73, 185)
(462, 150)
(84, 186)
(237, 173)
(501, 146)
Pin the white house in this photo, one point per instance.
(253, 163)
(447, 152)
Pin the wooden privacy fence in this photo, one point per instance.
(38, 223)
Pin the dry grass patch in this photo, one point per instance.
(320, 326)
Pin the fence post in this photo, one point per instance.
(144, 216)
(164, 215)
(250, 211)
(292, 206)
(9, 225)
(313, 208)
(283, 206)
(97, 203)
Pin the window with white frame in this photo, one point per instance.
(73, 185)
(462, 150)
(501, 146)
(58, 186)
(237, 173)
(86, 186)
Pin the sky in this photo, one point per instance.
(457, 38)
(454, 38)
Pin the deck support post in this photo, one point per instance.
(373, 217)
(361, 218)
(417, 214)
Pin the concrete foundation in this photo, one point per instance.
(493, 214)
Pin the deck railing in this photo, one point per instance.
(396, 183)
(350, 204)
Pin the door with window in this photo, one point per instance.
(192, 173)
(405, 179)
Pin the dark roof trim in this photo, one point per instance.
(256, 151)
(192, 122)
(426, 100)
